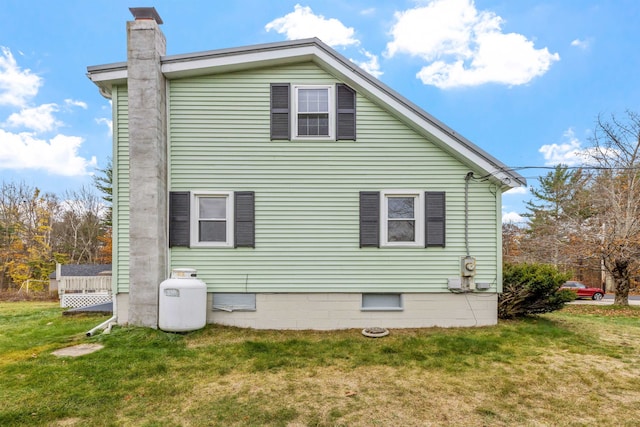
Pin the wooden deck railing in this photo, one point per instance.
(76, 284)
(75, 291)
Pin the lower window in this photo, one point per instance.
(212, 219)
(402, 218)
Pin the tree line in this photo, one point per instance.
(39, 229)
(586, 220)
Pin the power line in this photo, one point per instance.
(515, 168)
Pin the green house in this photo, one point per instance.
(304, 192)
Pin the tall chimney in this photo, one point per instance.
(147, 165)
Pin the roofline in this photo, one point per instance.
(313, 49)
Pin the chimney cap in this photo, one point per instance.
(146, 13)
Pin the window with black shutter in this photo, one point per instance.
(311, 112)
(212, 219)
(402, 218)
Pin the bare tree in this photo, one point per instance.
(104, 183)
(80, 225)
(616, 193)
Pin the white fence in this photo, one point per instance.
(76, 291)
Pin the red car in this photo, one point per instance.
(584, 291)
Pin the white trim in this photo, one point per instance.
(418, 196)
(331, 112)
(229, 243)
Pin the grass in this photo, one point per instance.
(575, 367)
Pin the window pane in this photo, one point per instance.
(213, 207)
(212, 231)
(313, 100)
(401, 231)
(401, 207)
(313, 124)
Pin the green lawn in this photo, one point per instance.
(577, 367)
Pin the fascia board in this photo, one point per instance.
(105, 76)
(220, 62)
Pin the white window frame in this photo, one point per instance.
(195, 219)
(331, 118)
(418, 218)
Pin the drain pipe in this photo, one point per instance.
(107, 324)
(102, 325)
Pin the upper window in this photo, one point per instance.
(212, 219)
(313, 112)
(402, 219)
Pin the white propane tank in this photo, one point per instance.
(183, 302)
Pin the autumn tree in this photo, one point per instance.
(512, 237)
(616, 195)
(26, 218)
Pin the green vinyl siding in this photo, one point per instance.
(121, 190)
(307, 192)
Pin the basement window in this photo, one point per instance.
(382, 302)
(234, 302)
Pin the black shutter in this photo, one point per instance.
(435, 213)
(244, 212)
(369, 218)
(345, 112)
(280, 128)
(179, 218)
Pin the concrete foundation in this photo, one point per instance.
(331, 311)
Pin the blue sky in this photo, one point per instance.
(525, 80)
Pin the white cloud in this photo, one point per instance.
(303, 23)
(465, 47)
(371, 66)
(568, 153)
(58, 156)
(39, 119)
(512, 218)
(517, 190)
(75, 103)
(107, 122)
(17, 86)
(582, 44)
